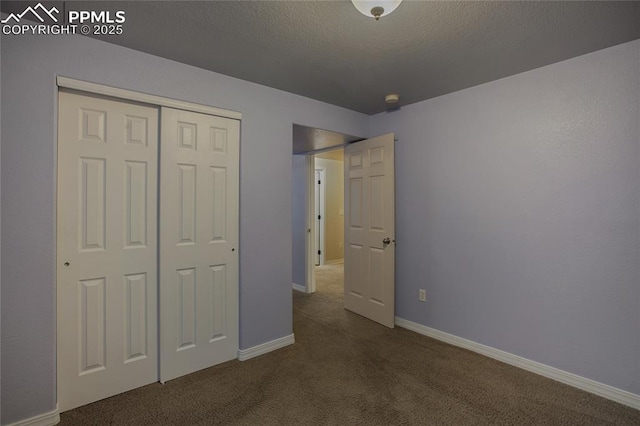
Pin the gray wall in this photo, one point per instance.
(28, 71)
(518, 210)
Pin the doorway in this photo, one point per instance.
(368, 214)
(329, 219)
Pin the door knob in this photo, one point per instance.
(387, 240)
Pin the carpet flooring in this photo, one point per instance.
(346, 370)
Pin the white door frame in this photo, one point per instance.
(320, 190)
(131, 96)
(310, 240)
(311, 219)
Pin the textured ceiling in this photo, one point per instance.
(328, 51)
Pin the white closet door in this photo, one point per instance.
(199, 241)
(107, 248)
(369, 249)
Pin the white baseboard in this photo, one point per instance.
(618, 395)
(47, 419)
(298, 287)
(334, 262)
(245, 354)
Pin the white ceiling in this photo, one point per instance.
(328, 51)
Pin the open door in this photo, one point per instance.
(369, 249)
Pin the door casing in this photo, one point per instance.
(320, 213)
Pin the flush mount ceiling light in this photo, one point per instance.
(392, 99)
(376, 8)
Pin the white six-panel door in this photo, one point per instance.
(107, 248)
(369, 255)
(199, 240)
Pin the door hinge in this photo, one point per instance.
(319, 252)
(319, 217)
(318, 182)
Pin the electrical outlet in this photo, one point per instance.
(422, 295)
(340, 244)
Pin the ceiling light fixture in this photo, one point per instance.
(376, 8)
(392, 99)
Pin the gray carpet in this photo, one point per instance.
(346, 370)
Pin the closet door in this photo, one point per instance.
(199, 241)
(107, 248)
